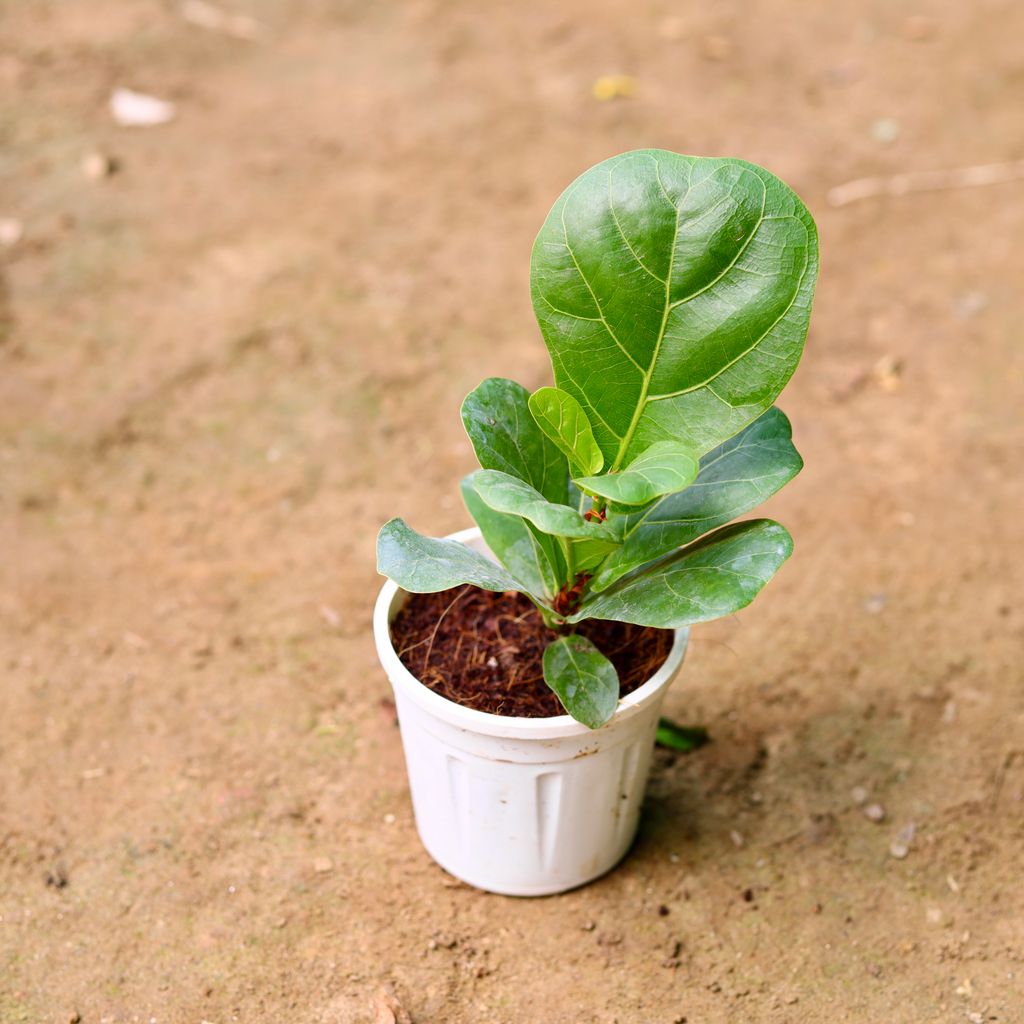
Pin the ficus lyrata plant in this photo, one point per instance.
(673, 294)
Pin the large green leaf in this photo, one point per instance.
(734, 478)
(505, 436)
(423, 565)
(584, 679)
(529, 555)
(719, 575)
(673, 293)
(505, 493)
(663, 468)
(562, 418)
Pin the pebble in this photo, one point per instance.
(885, 130)
(132, 109)
(900, 845)
(875, 813)
(737, 838)
(875, 603)
(96, 166)
(859, 795)
(322, 865)
(11, 231)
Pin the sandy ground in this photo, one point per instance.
(226, 364)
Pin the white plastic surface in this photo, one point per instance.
(521, 806)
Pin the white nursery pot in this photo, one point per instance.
(521, 806)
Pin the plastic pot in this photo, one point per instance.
(521, 806)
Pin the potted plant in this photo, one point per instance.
(673, 294)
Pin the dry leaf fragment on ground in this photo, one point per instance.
(132, 109)
(610, 87)
(887, 372)
(388, 1010)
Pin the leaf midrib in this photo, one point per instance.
(646, 382)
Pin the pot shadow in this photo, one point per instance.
(768, 783)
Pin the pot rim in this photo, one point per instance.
(557, 727)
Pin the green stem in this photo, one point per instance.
(568, 549)
(553, 621)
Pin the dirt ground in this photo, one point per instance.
(227, 363)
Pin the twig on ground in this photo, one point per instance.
(925, 181)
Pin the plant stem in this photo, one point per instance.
(568, 549)
(553, 621)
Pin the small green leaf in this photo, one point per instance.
(663, 468)
(584, 679)
(423, 565)
(738, 475)
(683, 738)
(529, 555)
(563, 420)
(589, 554)
(505, 437)
(505, 493)
(717, 576)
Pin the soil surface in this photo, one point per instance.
(225, 364)
(485, 650)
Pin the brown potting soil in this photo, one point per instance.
(484, 650)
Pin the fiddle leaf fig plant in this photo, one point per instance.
(673, 294)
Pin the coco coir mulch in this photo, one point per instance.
(484, 650)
